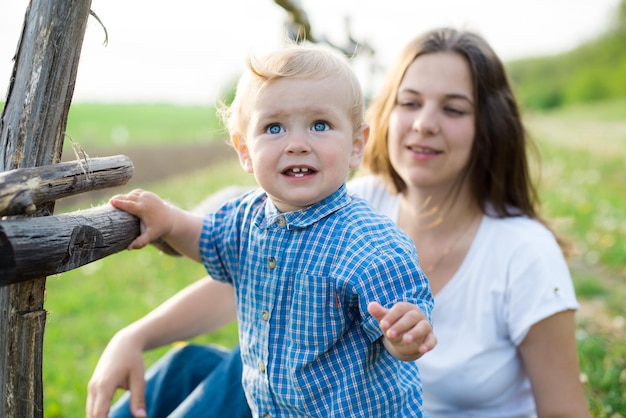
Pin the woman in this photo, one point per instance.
(447, 151)
(447, 161)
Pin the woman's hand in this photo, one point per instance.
(121, 366)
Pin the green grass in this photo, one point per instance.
(114, 125)
(583, 177)
(582, 182)
(603, 360)
(102, 125)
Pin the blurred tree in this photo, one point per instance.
(299, 30)
(593, 71)
(297, 23)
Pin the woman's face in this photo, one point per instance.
(432, 125)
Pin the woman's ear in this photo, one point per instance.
(358, 147)
(242, 151)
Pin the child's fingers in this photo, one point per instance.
(378, 312)
(418, 331)
(126, 202)
(400, 318)
(139, 242)
(403, 325)
(429, 343)
(121, 204)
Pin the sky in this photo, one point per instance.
(191, 51)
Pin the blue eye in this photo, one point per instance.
(320, 126)
(274, 128)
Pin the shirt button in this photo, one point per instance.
(267, 415)
(271, 263)
(281, 221)
(262, 367)
(265, 315)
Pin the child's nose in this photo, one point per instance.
(298, 143)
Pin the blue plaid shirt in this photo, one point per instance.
(303, 281)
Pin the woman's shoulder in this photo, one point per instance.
(367, 185)
(519, 235)
(519, 227)
(373, 190)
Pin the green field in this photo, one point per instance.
(582, 184)
(120, 125)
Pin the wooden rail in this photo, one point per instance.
(23, 190)
(42, 246)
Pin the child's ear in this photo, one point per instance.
(242, 151)
(358, 146)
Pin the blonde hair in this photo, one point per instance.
(292, 61)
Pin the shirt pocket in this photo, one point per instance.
(316, 315)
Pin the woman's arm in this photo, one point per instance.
(550, 356)
(201, 307)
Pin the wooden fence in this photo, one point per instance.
(35, 243)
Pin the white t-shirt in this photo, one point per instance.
(514, 275)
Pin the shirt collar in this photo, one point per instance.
(304, 217)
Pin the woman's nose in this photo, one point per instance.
(426, 122)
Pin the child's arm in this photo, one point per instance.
(407, 333)
(159, 219)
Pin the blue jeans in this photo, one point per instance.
(192, 381)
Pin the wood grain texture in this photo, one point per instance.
(48, 245)
(23, 190)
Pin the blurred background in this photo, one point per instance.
(147, 85)
(183, 52)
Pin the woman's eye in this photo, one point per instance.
(320, 126)
(454, 111)
(274, 128)
(409, 104)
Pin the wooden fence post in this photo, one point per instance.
(32, 129)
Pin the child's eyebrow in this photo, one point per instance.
(309, 110)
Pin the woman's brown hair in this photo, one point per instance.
(498, 169)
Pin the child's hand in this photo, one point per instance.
(154, 213)
(407, 333)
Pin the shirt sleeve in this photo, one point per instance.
(220, 240)
(540, 284)
(392, 278)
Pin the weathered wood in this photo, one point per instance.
(35, 247)
(32, 129)
(24, 189)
